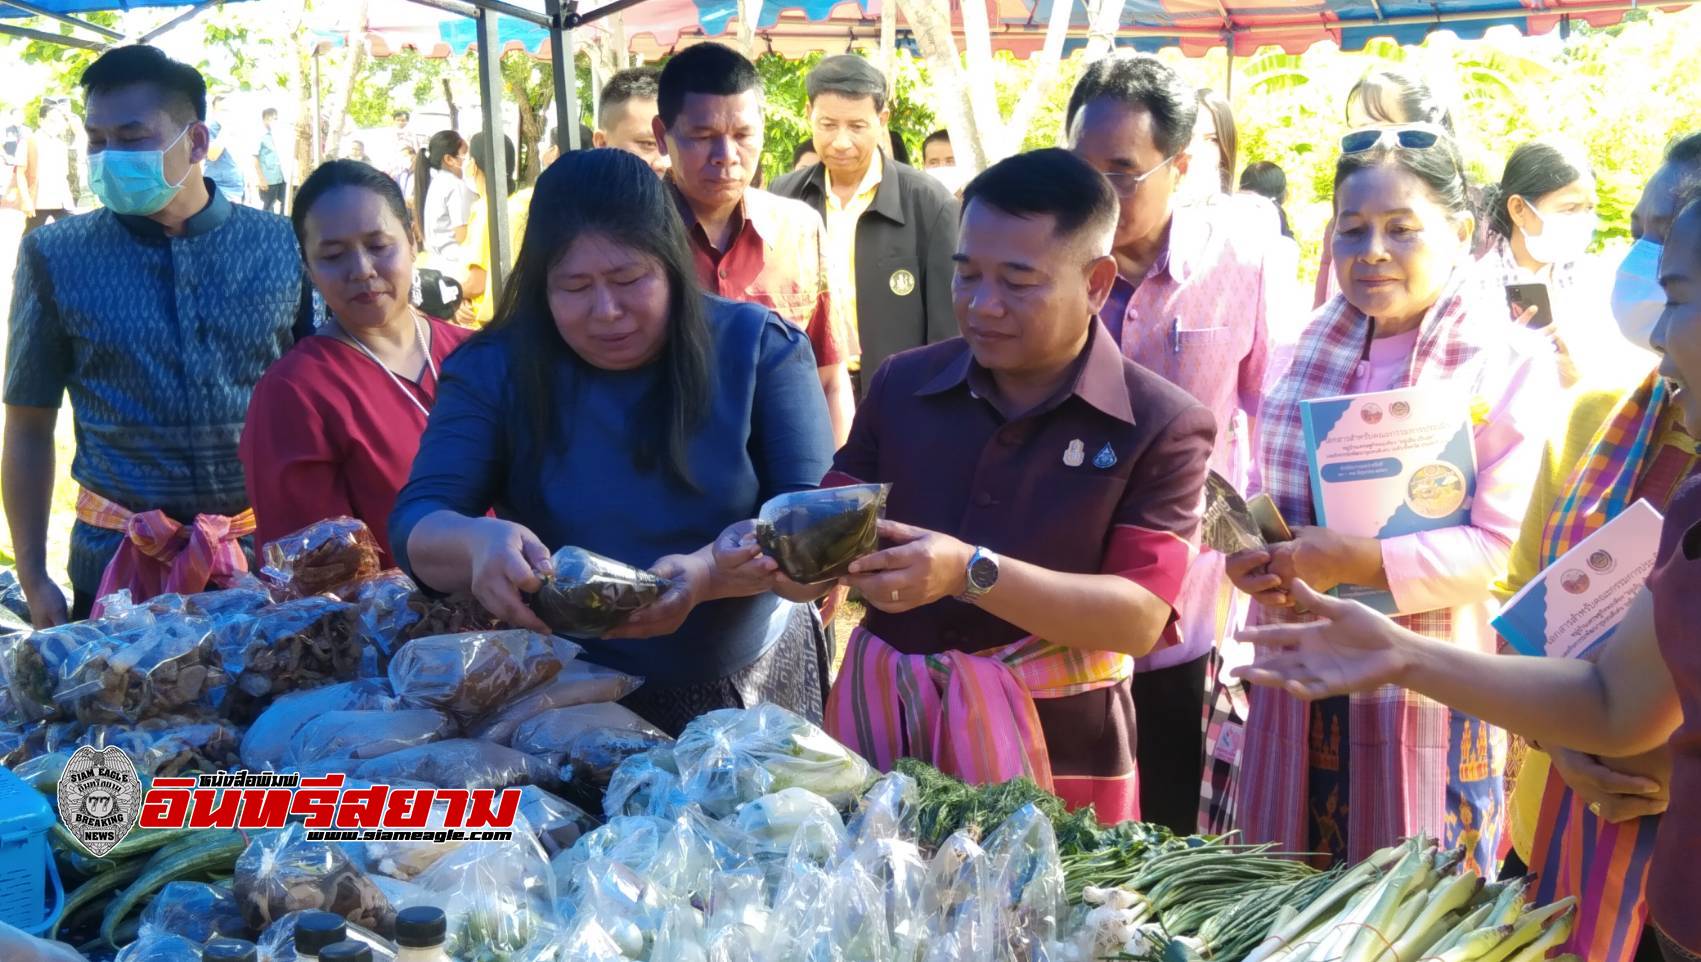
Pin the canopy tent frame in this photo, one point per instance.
(562, 18)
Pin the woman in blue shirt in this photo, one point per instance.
(615, 406)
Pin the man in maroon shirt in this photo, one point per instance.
(749, 245)
(1076, 472)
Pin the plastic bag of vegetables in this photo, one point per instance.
(733, 756)
(887, 811)
(194, 910)
(281, 872)
(577, 684)
(960, 903)
(367, 734)
(160, 947)
(472, 674)
(587, 594)
(499, 898)
(558, 823)
(1027, 880)
(815, 535)
(267, 742)
(645, 784)
(458, 763)
(773, 822)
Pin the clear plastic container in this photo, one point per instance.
(420, 934)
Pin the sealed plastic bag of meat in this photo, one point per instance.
(357, 735)
(588, 594)
(298, 644)
(281, 872)
(164, 668)
(459, 763)
(472, 674)
(267, 742)
(327, 557)
(552, 734)
(815, 535)
(577, 683)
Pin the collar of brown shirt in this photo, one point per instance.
(1097, 378)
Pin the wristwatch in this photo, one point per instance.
(982, 575)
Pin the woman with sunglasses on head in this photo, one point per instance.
(1346, 778)
(1642, 691)
(1384, 96)
(1541, 219)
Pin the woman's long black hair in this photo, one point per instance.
(1533, 171)
(615, 197)
(333, 174)
(444, 143)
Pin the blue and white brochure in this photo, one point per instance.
(1390, 463)
(1576, 603)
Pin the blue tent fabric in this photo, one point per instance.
(75, 7)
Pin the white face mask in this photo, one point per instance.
(1564, 237)
(1637, 299)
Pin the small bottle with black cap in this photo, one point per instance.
(316, 930)
(229, 950)
(346, 951)
(420, 934)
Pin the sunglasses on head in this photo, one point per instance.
(1408, 136)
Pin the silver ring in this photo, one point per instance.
(894, 594)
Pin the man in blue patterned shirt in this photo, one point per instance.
(157, 314)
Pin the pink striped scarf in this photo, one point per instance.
(1399, 740)
(969, 715)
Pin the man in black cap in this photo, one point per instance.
(891, 229)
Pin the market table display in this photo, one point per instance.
(754, 836)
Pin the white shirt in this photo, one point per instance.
(447, 206)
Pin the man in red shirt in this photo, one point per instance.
(748, 244)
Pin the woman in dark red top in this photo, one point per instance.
(1643, 692)
(334, 425)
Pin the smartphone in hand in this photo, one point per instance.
(1522, 297)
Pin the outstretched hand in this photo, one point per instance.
(1349, 648)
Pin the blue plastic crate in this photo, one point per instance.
(26, 859)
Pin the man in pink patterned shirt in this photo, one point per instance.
(1194, 302)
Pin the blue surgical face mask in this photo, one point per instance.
(1637, 299)
(133, 181)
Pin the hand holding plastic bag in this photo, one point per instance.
(586, 594)
(815, 535)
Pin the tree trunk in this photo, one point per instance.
(449, 99)
(982, 89)
(1045, 74)
(932, 22)
(888, 59)
(355, 61)
(530, 130)
(749, 12)
(1103, 17)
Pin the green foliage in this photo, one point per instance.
(387, 83)
(787, 99)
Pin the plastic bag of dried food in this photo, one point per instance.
(160, 947)
(577, 683)
(385, 612)
(281, 872)
(298, 644)
(366, 734)
(646, 784)
(454, 615)
(553, 735)
(241, 601)
(815, 535)
(32, 664)
(326, 557)
(172, 744)
(587, 594)
(459, 763)
(194, 910)
(165, 668)
(556, 822)
(499, 898)
(732, 756)
(12, 596)
(471, 674)
(268, 739)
